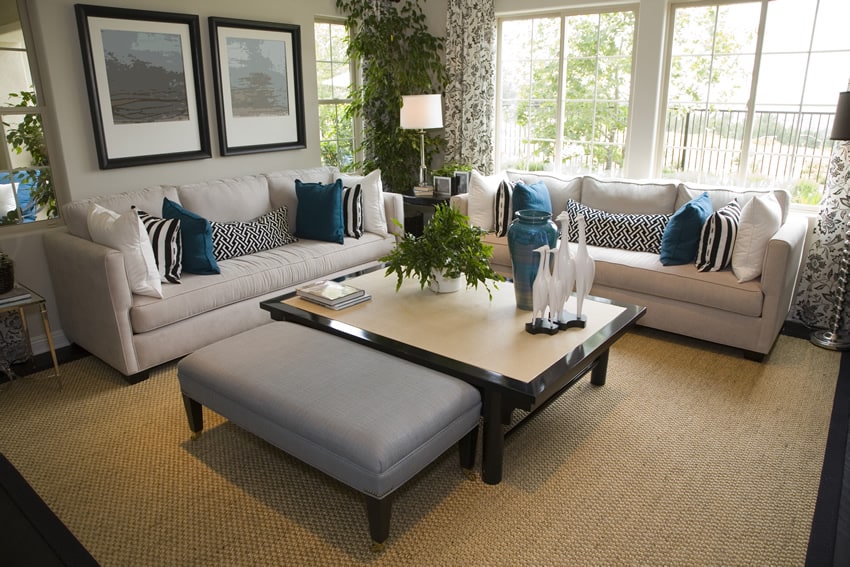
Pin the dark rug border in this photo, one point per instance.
(831, 503)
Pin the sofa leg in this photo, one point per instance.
(378, 511)
(754, 356)
(137, 377)
(194, 414)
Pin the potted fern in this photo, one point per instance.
(448, 248)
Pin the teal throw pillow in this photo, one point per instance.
(195, 237)
(319, 215)
(680, 240)
(534, 196)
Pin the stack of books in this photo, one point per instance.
(333, 295)
(423, 191)
(14, 295)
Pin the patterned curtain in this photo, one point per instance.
(471, 91)
(820, 285)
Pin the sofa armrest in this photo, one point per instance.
(93, 297)
(780, 272)
(394, 208)
(461, 203)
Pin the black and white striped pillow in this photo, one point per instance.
(352, 211)
(717, 239)
(503, 207)
(167, 246)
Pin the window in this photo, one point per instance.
(334, 76)
(751, 107)
(564, 85)
(26, 188)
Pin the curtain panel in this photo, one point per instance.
(471, 91)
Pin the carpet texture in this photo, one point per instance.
(690, 454)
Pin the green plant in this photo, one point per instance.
(28, 136)
(448, 244)
(448, 169)
(398, 56)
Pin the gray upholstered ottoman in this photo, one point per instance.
(366, 418)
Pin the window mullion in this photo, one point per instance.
(749, 120)
(562, 93)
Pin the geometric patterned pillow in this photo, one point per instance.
(352, 211)
(502, 207)
(167, 245)
(717, 238)
(231, 239)
(640, 233)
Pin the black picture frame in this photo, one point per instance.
(142, 118)
(262, 111)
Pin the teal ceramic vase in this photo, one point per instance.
(530, 229)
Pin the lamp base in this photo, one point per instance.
(830, 340)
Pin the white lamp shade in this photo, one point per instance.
(421, 112)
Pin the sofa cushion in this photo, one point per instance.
(633, 197)
(196, 238)
(761, 217)
(374, 215)
(721, 196)
(352, 211)
(225, 200)
(167, 246)
(503, 208)
(75, 214)
(681, 237)
(320, 211)
(531, 197)
(255, 276)
(482, 194)
(643, 273)
(617, 230)
(282, 187)
(561, 187)
(717, 238)
(125, 233)
(240, 238)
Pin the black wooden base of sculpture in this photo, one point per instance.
(539, 326)
(573, 321)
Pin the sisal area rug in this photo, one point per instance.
(689, 455)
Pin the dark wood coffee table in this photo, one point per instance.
(482, 342)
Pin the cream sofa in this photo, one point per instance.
(711, 305)
(134, 333)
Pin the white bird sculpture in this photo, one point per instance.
(540, 287)
(584, 265)
(563, 272)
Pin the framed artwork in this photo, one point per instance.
(145, 83)
(462, 182)
(443, 184)
(258, 86)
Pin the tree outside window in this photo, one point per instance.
(334, 75)
(564, 91)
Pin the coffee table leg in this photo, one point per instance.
(494, 439)
(600, 370)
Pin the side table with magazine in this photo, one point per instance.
(15, 345)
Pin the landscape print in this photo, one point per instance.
(146, 76)
(257, 69)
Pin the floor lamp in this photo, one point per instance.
(838, 180)
(422, 112)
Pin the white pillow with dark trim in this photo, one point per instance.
(717, 239)
(167, 245)
(626, 231)
(503, 207)
(231, 239)
(352, 211)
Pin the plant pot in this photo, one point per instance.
(440, 284)
(530, 229)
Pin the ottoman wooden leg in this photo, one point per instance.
(467, 447)
(378, 511)
(195, 414)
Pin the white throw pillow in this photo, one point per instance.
(374, 217)
(482, 198)
(761, 217)
(127, 234)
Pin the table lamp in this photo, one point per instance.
(422, 112)
(833, 338)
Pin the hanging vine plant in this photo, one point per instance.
(399, 56)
